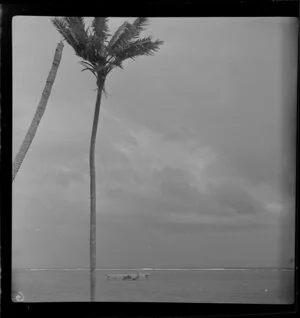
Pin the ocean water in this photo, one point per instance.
(200, 286)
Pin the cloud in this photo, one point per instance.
(172, 198)
(274, 207)
(212, 225)
(236, 198)
(163, 191)
(176, 184)
(64, 177)
(218, 109)
(149, 152)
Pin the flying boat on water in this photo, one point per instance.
(136, 276)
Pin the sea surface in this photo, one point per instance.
(260, 286)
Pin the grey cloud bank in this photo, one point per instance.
(191, 151)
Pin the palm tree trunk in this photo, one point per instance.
(39, 112)
(93, 196)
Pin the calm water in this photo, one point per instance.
(213, 286)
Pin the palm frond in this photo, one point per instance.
(122, 37)
(117, 35)
(90, 69)
(97, 47)
(100, 34)
(140, 47)
(115, 63)
(125, 35)
(140, 24)
(63, 28)
(100, 28)
(95, 50)
(77, 26)
(86, 63)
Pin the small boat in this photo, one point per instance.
(127, 276)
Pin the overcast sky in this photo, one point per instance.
(193, 151)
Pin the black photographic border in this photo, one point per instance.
(149, 8)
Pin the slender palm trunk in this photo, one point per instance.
(39, 112)
(93, 196)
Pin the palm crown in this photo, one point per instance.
(101, 51)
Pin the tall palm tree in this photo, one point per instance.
(39, 111)
(102, 53)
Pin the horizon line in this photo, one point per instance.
(154, 268)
